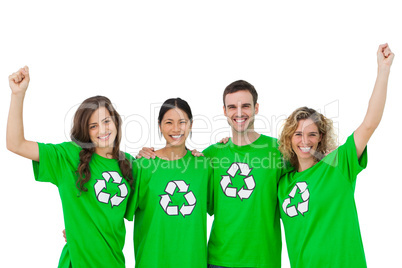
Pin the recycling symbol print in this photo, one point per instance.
(302, 207)
(101, 185)
(172, 210)
(243, 193)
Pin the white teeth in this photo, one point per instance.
(240, 120)
(104, 137)
(176, 137)
(305, 149)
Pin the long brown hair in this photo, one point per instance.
(80, 135)
(325, 128)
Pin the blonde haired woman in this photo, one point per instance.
(318, 209)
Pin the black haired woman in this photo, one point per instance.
(170, 227)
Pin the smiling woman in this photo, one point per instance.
(82, 170)
(318, 208)
(102, 131)
(175, 121)
(306, 137)
(170, 227)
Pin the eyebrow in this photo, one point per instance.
(234, 105)
(94, 123)
(169, 119)
(314, 132)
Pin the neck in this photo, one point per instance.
(172, 152)
(245, 138)
(306, 164)
(106, 152)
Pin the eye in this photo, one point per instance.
(107, 121)
(92, 127)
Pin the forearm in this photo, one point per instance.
(16, 141)
(15, 125)
(377, 101)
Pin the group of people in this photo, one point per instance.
(248, 183)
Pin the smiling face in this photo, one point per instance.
(175, 127)
(240, 111)
(305, 140)
(102, 129)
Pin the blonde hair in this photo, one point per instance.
(325, 129)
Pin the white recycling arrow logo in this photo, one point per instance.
(170, 190)
(104, 197)
(243, 193)
(302, 207)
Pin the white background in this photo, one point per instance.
(139, 53)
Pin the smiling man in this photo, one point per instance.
(246, 229)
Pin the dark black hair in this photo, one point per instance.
(175, 103)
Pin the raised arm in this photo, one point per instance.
(377, 100)
(16, 141)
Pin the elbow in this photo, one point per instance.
(12, 146)
(370, 127)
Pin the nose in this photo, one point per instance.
(305, 140)
(177, 127)
(239, 112)
(103, 128)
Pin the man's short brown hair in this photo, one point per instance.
(238, 86)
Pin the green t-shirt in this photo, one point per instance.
(170, 227)
(246, 229)
(319, 213)
(94, 220)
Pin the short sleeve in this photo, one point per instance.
(55, 160)
(347, 160)
(207, 152)
(132, 203)
(210, 193)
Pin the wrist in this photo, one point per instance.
(18, 95)
(384, 70)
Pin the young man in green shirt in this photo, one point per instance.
(246, 228)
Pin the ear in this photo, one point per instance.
(224, 110)
(256, 108)
(320, 138)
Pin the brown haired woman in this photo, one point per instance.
(93, 176)
(318, 209)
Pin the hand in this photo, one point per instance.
(224, 140)
(64, 235)
(19, 81)
(147, 152)
(196, 153)
(384, 56)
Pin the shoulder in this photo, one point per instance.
(214, 148)
(273, 142)
(70, 145)
(67, 147)
(129, 157)
(143, 163)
